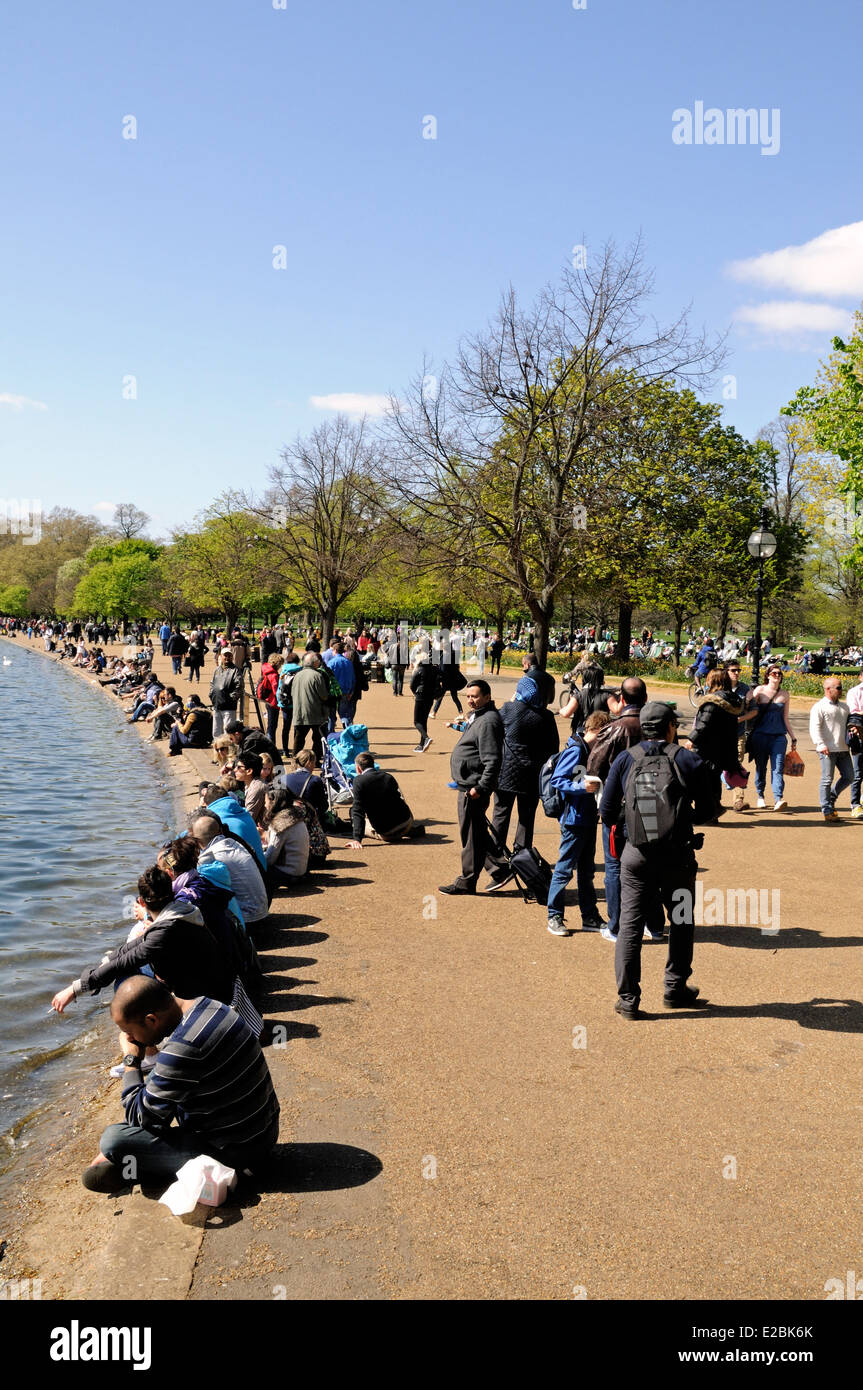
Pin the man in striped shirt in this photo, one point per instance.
(210, 1091)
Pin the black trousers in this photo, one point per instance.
(456, 701)
(474, 836)
(503, 804)
(421, 714)
(398, 680)
(300, 733)
(646, 885)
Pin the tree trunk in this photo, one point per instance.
(499, 622)
(328, 623)
(541, 627)
(678, 629)
(722, 624)
(446, 615)
(624, 631)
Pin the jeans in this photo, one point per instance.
(769, 748)
(272, 722)
(612, 881)
(141, 1155)
(829, 764)
(220, 717)
(398, 680)
(347, 711)
(287, 719)
(575, 856)
(857, 764)
(177, 665)
(145, 707)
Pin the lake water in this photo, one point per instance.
(84, 811)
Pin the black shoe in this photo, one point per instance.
(416, 832)
(498, 879)
(627, 1010)
(684, 998)
(104, 1177)
(456, 889)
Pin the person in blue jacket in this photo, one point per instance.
(234, 816)
(578, 821)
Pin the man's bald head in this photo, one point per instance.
(145, 1010)
(204, 827)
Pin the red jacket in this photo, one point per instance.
(268, 685)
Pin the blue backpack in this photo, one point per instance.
(551, 798)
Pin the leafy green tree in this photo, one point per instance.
(15, 601)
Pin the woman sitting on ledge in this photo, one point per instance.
(196, 730)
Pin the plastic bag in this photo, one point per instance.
(201, 1179)
(794, 765)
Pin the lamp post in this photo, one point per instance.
(761, 545)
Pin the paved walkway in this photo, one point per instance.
(464, 1116)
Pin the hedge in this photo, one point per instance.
(794, 681)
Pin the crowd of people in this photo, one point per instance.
(187, 982)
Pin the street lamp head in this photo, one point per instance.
(761, 544)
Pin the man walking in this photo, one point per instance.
(425, 688)
(343, 670)
(474, 767)
(657, 790)
(164, 634)
(828, 720)
(529, 738)
(176, 648)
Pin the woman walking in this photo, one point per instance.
(767, 740)
(714, 729)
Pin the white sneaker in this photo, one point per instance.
(607, 934)
(781, 805)
(651, 936)
(557, 926)
(761, 803)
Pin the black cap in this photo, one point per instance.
(654, 718)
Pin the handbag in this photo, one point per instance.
(794, 765)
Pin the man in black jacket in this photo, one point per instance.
(378, 798)
(252, 740)
(176, 648)
(474, 765)
(661, 868)
(545, 682)
(530, 737)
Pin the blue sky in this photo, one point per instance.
(303, 127)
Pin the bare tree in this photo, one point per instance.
(129, 521)
(500, 460)
(788, 483)
(326, 531)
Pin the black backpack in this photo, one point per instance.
(656, 798)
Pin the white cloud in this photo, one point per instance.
(20, 402)
(792, 319)
(831, 265)
(352, 403)
(104, 506)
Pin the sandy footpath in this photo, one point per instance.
(464, 1116)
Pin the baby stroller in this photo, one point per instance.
(337, 783)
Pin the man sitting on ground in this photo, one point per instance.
(247, 770)
(210, 1077)
(378, 798)
(235, 817)
(247, 877)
